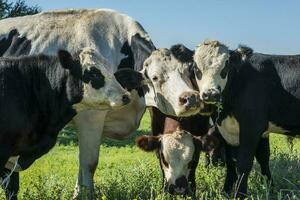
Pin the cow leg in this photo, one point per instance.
(263, 157)
(231, 175)
(250, 134)
(192, 176)
(12, 186)
(90, 124)
(218, 156)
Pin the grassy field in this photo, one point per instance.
(125, 172)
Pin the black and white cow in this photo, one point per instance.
(260, 94)
(111, 41)
(36, 102)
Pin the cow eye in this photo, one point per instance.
(224, 72)
(155, 78)
(198, 73)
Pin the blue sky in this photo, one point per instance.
(268, 26)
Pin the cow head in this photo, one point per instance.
(213, 62)
(168, 86)
(178, 153)
(101, 89)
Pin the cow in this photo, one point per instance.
(178, 143)
(259, 94)
(37, 98)
(197, 125)
(178, 151)
(114, 43)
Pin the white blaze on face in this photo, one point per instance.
(167, 80)
(111, 94)
(210, 58)
(178, 149)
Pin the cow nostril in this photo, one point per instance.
(125, 99)
(181, 182)
(211, 95)
(217, 96)
(183, 100)
(205, 96)
(171, 189)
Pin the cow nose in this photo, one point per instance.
(211, 96)
(180, 187)
(181, 182)
(189, 99)
(125, 99)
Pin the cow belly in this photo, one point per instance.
(12, 164)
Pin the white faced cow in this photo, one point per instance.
(260, 94)
(107, 41)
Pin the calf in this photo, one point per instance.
(260, 94)
(178, 143)
(36, 102)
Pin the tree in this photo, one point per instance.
(19, 8)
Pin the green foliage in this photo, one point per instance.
(126, 172)
(19, 8)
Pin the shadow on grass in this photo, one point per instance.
(69, 136)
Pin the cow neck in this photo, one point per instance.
(162, 123)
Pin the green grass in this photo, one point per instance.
(125, 172)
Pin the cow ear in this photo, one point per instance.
(240, 56)
(129, 78)
(182, 53)
(141, 48)
(207, 143)
(65, 59)
(148, 143)
(245, 52)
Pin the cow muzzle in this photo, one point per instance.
(180, 187)
(211, 96)
(189, 101)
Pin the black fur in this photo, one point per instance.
(130, 79)
(128, 61)
(94, 77)
(6, 42)
(182, 53)
(37, 94)
(260, 89)
(137, 52)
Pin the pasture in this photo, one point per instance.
(125, 172)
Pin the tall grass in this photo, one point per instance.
(125, 172)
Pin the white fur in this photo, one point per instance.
(178, 149)
(173, 81)
(230, 130)
(210, 58)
